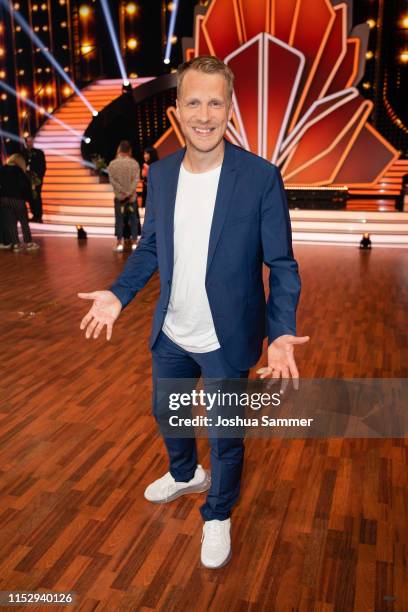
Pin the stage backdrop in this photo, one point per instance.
(296, 65)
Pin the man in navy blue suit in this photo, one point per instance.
(215, 213)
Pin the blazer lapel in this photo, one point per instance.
(223, 200)
(169, 206)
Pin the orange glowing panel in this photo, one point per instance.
(318, 110)
(190, 54)
(321, 135)
(167, 143)
(310, 41)
(255, 17)
(369, 145)
(348, 69)
(282, 15)
(333, 53)
(246, 64)
(323, 167)
(171, 114)
(222, 27)
(200, 43)
(282, 65)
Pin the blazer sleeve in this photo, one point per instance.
(142, 263)
(284, 280)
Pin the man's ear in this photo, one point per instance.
(230, 111)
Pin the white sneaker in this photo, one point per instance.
(216, 543)
(165, 489)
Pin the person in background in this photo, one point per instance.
(36, 166)
(124, 174)
(149, 157)
(15, 191)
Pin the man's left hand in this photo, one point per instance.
(281, 360)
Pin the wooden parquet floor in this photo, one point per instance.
(322, 525)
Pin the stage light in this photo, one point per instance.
(48, 90)
(2, 74)
(404, 57)
(115, 44)
(67, 91)
(131, 8)
(44, 7)
(366, 85)
(365, 242)
(81, 233)
(37, 41)
(369, 55)
(4, 96)
(170, 33)
(18, 29)
(62, 2)
(16, 6)
(5, 118)
(23, 93)
(87, 140)
(371, 23)
(126, 83)
(1, 51)
(86, 48)
(95, 113)
(45, 28)
(84, 11)
(21, 72)
(26, 134)
(35, 7)
(404, 22)
(170, 6)
(173, 40)
(132, 44)
(63, 24)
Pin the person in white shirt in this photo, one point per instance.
(214, 214)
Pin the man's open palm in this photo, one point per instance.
(281, 360)
(104, 311)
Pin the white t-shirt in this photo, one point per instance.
(188, 320)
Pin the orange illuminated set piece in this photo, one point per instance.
(295, 97)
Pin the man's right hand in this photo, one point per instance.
(105, 310)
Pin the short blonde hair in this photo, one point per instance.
(17, 160)
(209, 64)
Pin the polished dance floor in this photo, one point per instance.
(321, 524)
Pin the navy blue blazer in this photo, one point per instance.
(250, 226)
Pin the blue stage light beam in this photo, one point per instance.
(170, 33)
(32, 104)
(11, 136)
(38, 42)
(115, 44)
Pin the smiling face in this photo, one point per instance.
(203, 109)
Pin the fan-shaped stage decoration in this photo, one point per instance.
(296, 66)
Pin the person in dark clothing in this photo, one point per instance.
(149, 156)
(15, 191)
(36, 166)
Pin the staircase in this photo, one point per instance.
(71, 194)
